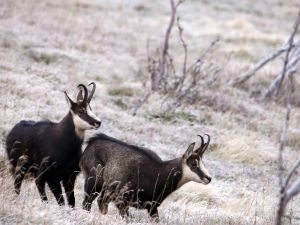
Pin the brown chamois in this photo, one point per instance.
(133, 176)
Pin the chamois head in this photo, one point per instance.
(192, 165)
(83, 117)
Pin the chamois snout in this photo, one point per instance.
(207, 179)
(93, 121)
(97, 124)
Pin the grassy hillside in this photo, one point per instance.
(50, 46)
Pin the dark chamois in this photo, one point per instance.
(133, 176)
(49, 151)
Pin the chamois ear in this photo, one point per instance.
(189, 151)
(79, 96)
(68, 99)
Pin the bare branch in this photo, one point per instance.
(165, 79)
(290, 46)
(179, 83)
(283, 201)
(291, 173)
(289, 68)
(162, 63)
(252, 71)
(141, 102)
(206, 51)
(283, 135)
(287, 47)
(292, 191)
(184, 45)
(275, 84)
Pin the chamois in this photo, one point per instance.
(129, 175)
(49, 151)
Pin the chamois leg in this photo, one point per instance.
(20, 171)
(103, 202)
(123, 199)
(55, 187)
(153, 212)
(90, 190)
(123, 209)
(69, 184)
(40, 178)
(40, 183)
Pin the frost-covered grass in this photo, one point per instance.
(47, 47)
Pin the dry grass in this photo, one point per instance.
(47, 47)
(247, 149)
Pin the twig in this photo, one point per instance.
(141, 102)
(275, 84)
(252, 71)
(162, 61)
(286, 194)
(287, 47)
(206, 51)
(283, 188)
(291, 173)
(179, 84)
(256, 67)
(287, 57)
(292, 191)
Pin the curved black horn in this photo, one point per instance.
(85, 91)
(208, 138)
(206, 144)
(198, 150)
(202, 140)
(92, 92)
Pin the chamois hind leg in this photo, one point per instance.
(55, 187)
(20, 171)
(90, 190)
(103, 202)
(123, 209)
(123, 199)
(69, 184)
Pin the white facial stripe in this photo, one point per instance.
(80, 125)
(189, 175)
(91, 114)
(202, 167)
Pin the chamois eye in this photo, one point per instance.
(194, 163)
(81, 110)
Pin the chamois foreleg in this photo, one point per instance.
(69, 184)
(55, 187)
(153, 212)
(40, 184)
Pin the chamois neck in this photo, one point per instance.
(67, 126)
(172, 164)
(173, 170)
(179, 176)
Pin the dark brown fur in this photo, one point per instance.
(128, 175)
